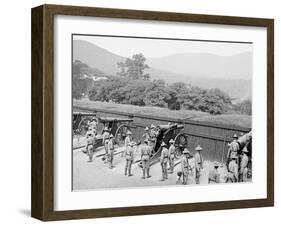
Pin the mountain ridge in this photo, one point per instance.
(106, 61)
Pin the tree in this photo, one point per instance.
(81, 84)
(244, 107)
(134, 67)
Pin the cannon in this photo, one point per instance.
(80, 122)
(244, 141)
(118, 127)
(164, 134)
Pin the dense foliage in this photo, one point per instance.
(157, 93)
(82, 78)
(134, 68)
(133, 86)
(244, 107)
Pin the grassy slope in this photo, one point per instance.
(226, 119)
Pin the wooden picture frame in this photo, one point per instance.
(42, 203)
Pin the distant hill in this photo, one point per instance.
(96, 57)
(238, 66)
(187, 68)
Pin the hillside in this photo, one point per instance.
(238, 66)
(187, 68)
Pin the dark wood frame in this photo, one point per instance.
(42, 169)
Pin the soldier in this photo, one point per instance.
(146, 134)
(90, 146)
(145, 156)
(127, 141)
(93, 123)
(105, 139)
(233, 147)
(198, 163)
(153, 134)
(88, 134)
(164, 161)
(129, 159)
(110, 151)
(172, 151)
(232, 170)
(214, 176)
(185, 165)
(243, 166)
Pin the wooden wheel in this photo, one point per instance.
(83, 125)
(121, 134)
(180, 144)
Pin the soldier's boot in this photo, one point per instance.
(125, 171)
(129, 173)
(166, 174)
(143, 174)
(148, 176)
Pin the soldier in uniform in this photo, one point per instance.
(146, 134)
(232, 170)
(233, 150)
(153, 136)
(243, 166)
(127, 141)
(129, 159)
(164, 161)
(145, 156)
(172, 151)
(105, 139)
(185, 165)
(88, 135)
(233, 147)
(110, 151)
(90, 146)
(93, 123)
(214, 176)
(198, 163)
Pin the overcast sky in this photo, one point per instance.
(126, 47)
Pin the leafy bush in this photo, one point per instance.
(244, 107)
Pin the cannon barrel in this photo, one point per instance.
(85, 113)
(174, 126)
(245, 138)
(113, 119)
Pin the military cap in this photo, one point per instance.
(146, 129)
(245, 150)
(111, 136)
(163, 144)
(235, 136)
(241, 134)
(146, 141)
(216, 164)
(152, 126)
(186, 151)
(171, 141)
(198, 148)
(132, 143)
(106, 129)
(129, 132)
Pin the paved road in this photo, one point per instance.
(97, 175)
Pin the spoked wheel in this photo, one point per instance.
(83, 125)
(121, 134)
(180, 144)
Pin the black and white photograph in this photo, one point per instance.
(150, 111)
